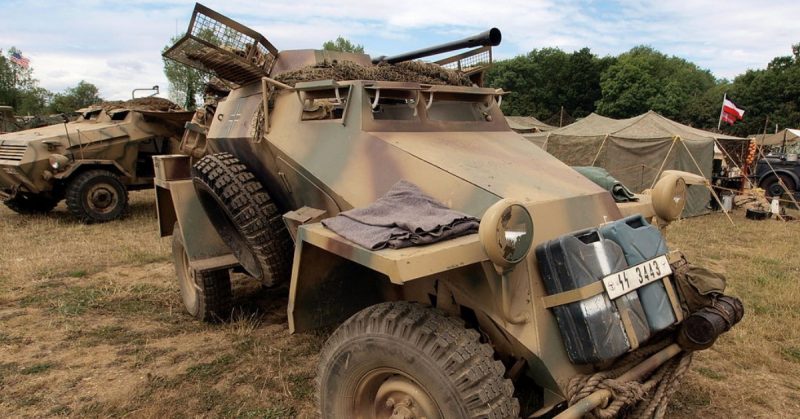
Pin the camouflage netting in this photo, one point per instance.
(142, 104)
(409, 71)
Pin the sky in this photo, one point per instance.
(116, 45)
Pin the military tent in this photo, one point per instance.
(528, 126)
(637, 150)
(790, 136)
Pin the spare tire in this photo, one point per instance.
(244, 216)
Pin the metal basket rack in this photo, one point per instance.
(219, 45)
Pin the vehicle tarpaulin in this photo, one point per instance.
(636, 150)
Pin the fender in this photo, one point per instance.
(85, 163)
(177, 203)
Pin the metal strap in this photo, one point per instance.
(571, 296)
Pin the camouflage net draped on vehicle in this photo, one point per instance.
(409, 71)
(141, 104)
(632, 399)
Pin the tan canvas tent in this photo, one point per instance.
(637, 150)
(528, 126)
(791, 136)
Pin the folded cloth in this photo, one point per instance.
(403, 217)
(602, 178)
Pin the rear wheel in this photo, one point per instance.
(97, 196)
(402, 360)
(31, 204)
(244, 216)
(773, 187)
(206, 295)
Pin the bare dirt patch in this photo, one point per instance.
(91, 324)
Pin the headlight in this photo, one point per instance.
(506, 232)
(669, 197)
(58, 161)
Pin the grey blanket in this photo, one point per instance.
(403, 217)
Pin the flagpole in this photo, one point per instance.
(721, 110)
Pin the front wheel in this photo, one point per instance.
(206, 295)
(97, 196)
(400, 359)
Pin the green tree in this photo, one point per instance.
(186, 84)
(80, 96)
(772, 93)
(544, 80)
(644, 79)
(343, 45)
(19, 89)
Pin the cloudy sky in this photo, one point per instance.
(116, 44)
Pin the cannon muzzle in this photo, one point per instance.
(491, 37)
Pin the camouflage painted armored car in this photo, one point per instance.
(559, 284)
(91, 162)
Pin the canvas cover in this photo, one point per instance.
(791, 136)
(636, 150)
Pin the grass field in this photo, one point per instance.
(91, 324)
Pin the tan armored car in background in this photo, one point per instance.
(91, 162)
(445, 330)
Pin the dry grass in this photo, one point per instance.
(754, 370)
(91, 325)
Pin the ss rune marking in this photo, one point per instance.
(623, 282)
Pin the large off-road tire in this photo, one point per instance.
(31, 204)
(773, 188)
(244, 216)
(97, 196)
(206, 295)
(410, 361)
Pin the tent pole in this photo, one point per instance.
(707, 183)
(663, 163)
(721, 110)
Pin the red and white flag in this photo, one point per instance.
(729, 108)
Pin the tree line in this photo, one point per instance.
(545, 80)
(20, 90)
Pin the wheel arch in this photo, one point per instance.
(778, 172)
(81, 166)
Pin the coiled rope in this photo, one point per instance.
(632, 399)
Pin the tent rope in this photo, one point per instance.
(663, 163)
(707, 183)
(599, 149)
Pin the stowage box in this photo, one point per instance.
(592, 329)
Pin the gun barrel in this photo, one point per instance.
(491, 37)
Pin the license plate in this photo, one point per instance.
(623, 282)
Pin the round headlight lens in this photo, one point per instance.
(58, 161)
(506, 232)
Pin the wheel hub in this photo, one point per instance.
(399, 397)
(102, 198)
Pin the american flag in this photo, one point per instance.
(19, 60)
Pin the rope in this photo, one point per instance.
(599, 150)
(634, 399)
(655, 179)
(714, 194)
